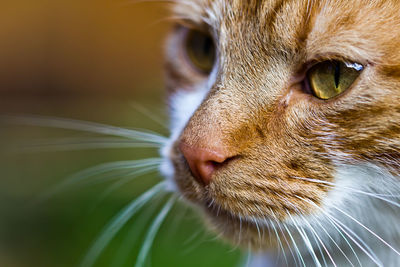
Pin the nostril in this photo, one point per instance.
(203, 162)
(217, 165)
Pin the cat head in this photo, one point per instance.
(275, 104)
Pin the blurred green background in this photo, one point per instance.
(97, 61)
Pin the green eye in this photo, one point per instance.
(200, 50)
(331, 78)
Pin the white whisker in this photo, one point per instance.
(245, 261)
(126, 178)
(306, 241)
(289, 246)
(373, 195)
(85, 126)
(369, 230)
(151, 234)
(70, 144)
(347, 231)
(295, 246)
(144, 111)
(258, 228)
(334, 242)
(330, 184)
(319, 247)
(132, 236)
(366, 249)
(83, 176)
(117, 223)
(321, 242)
(281, 250)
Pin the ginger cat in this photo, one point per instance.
(286, 126)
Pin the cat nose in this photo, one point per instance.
(202, 161)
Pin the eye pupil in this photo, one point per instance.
(337, 74)
(200, 50)
(207, 45)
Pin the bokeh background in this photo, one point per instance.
(98, 61)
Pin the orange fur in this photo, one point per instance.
(259, 113)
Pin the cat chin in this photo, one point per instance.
(353, 213)
(248, 233)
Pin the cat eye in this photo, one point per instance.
(331, 78)
(200, 50)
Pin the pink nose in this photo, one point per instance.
(202, 162)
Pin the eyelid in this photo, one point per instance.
(301, 73)
(190, 25)
(334, 57)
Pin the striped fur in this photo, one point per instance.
(297, 159)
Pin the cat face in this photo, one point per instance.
(271, 101)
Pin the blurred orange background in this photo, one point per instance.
(80, 47)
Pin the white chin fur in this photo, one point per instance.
(353, 189)
(355, 205)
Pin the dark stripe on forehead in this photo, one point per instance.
(273, 12)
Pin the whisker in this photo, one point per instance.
(370, 194)
(377, 196)
(258, 228)
(193, 241)
(113, 227)
(321, 242)
(289, 246)
(281, 230)
(323, 245)
(245, 260)
(369, 230)
(334, 242)
(69, 144)
(83, 175)
(330, 184)
(193, 236)
(240, 229)
(306, 241)
(151, 234)
(281, 249)
(366, 249)
(144, 111)
(319, 247)
(295, 245)
(132, 236)
(126, 178)
(303, 234)
(84, 126)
